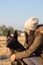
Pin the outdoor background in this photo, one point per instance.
(13, 14)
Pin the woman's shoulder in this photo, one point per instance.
(39, 30)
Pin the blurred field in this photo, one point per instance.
(2, 37)
(3, 51)
(2, 44)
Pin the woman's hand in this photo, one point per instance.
(12, 58)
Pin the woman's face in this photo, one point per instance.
(27, 31)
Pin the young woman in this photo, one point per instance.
(34, 44)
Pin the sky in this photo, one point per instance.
(15, 12)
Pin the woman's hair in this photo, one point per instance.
(40, 25)
(26, 36)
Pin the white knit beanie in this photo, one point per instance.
(31, 23)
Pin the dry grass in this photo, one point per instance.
(21, 40)
(2, 37)
(3, 51)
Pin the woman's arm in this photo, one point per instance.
(31, 49)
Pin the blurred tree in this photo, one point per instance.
(4, 29)
(11, 29)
